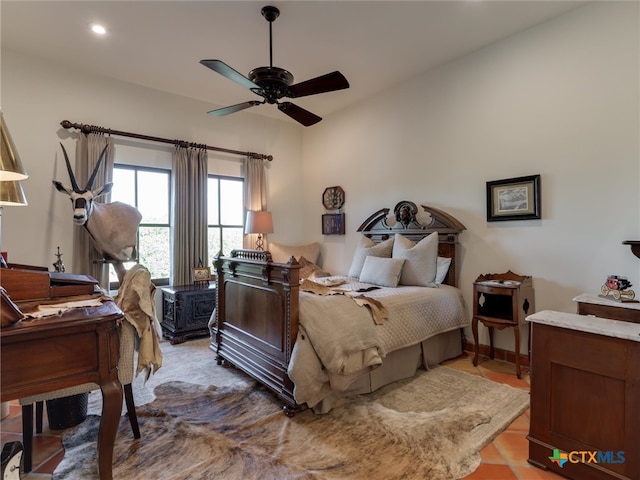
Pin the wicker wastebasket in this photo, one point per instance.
(67, 412)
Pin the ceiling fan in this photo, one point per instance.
(273, 83)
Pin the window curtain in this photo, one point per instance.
(189, 210)
(255, 194)
(86, 260)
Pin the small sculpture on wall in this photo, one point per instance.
(333, 223)
(333, 198)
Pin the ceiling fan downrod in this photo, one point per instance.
(270, 14)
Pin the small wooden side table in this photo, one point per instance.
(501, 300)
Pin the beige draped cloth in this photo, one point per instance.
(135, 299)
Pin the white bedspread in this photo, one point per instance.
(338, 340)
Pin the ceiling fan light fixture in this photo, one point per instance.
(274, 83)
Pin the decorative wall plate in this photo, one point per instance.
(333, 198)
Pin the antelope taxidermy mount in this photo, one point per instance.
(113, 227)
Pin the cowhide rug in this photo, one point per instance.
(431, 427)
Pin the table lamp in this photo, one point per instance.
(259, 222)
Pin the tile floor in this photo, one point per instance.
(503, 459)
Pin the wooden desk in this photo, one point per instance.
(79, 346)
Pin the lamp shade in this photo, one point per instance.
(258, 222)
(10, 165)
(11, 194)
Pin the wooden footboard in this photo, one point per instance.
(257, 317)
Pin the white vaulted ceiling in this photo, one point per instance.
(158, 44)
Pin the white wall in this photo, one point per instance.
(37, 95)
(560, 100)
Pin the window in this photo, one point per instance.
(148, 189)
(226, 214)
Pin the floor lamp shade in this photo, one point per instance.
(11, 168)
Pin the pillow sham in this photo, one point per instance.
(310, 270)
(367, 247)
(382, 271)
(282, 253)
(421, 259)
(442, 268)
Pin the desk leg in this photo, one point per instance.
(111, 410)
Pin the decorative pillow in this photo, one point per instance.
(382, 271)
(421, 259)
(310, 270)
(442, 268)
(282, 253)
(367, 247)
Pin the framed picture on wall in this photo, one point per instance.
(333, 224)
(514, 199)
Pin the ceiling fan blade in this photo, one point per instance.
(299, 114)
(325, 83)
(234, 108)
(226, 71)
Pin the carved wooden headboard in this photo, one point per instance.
(408, 221)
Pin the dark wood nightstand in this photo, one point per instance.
(501, 300)
(186, 311)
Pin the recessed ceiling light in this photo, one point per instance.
(98, 29)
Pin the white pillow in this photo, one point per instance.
(282, 253)
(367, 247)
(442, 268)
(382, 271)
(421, 259)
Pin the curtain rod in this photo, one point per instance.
(86, 128)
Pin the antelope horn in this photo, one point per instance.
(95, 170)
(72, 177)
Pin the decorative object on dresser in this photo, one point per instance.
(514, 199)
(261, 309)
(186, 311)
(259, 222)
(619, 287)
(585, 392)
(201, 275)
(501, 300)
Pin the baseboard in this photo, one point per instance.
(500, 354)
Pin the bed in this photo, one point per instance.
(264, 320)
